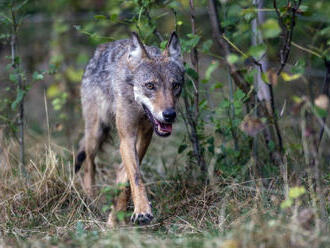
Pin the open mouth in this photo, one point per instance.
(161, 129)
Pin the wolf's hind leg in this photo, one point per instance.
(95, 135)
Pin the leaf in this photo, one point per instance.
(322, 101)
(252, 126)
(286, 204)
(100, 17)
(320, 112)
(232, 58)
(74, 75)
(174, 5)
(265, 77)
(4, 36)
(77, 27)
(121, 215)
(19, 98)
(217, 85)
(181, 148)
(287, 77)
(114, 17)
(297, 99)
(37, 76)
(105, 208)
(239, 95)
(296, 192)
(192, 73)
(53, 91)
(249, 75)
(61, 27)
(194, 39)
(211, 69)
(230, 244)
(234, 10)
(13, 77)
(257, 51)
(7, 19)
(325, 32)
(80, 230)
(203, 104)
(299, 67)
(19, 6)
(163, 44)
(206, 46)
(271, 29)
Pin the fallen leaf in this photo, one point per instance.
(287, 77)
(252, 126)
(230, 244)
(322, 101)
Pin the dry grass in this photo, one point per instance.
(49, 209)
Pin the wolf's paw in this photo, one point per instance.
(142, 218)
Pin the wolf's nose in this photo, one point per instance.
(169, 115)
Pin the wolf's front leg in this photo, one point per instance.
(121, 201)
(128, 138)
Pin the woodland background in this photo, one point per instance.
(248, 162)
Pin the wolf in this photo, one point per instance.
(132, 88)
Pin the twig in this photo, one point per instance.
(194, 59)
(306, 49)
(234, 46)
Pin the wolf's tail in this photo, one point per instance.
(81, 156)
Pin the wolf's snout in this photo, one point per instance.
(169, 115)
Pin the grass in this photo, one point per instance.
(49, 207)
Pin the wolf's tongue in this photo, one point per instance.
(165, 127)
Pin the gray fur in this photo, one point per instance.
(136, 87)
(109, 77)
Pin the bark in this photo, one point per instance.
(193, 117)
(325, 91)
(20, 85)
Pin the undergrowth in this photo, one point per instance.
(49, 208)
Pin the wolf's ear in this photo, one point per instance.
(173, 48)
(137, 50)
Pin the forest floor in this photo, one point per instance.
(48, 208)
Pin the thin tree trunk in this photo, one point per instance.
(20, 84)
(325, 91)
(263, 91)
(195, 63)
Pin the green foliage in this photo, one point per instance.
(294, 194)
(257, 51)
(190, 42)
(271, 29)
(232, 58)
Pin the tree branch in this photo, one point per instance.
(288, 32)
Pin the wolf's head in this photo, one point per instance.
(157, 81)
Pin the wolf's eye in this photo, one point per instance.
(150, 86)
(176, 86)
